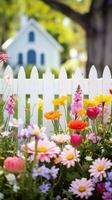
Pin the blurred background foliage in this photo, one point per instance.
(69, 34)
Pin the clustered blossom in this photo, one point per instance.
(92, 137)
(77, 104)
(60, 138)
(99, 167)
(10, 104)
(82, 188)
(44, 187)
(69, 156)
(33, 131)
(45, 172)
(46, 150)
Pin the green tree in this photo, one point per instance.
(97, 23)
(9, 13)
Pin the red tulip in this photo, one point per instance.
(93, 112)
(76, 140)
(14, 164)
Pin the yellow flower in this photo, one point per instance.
(103, 99)
(40, 104)
(90, 102)
(52, 115)
(60, 101)
(82, 112)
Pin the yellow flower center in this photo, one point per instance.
(36, 132)
(70, 156)
(42, 149)
(39, 170)
(14, 123)
(100, 168)
(82, 188)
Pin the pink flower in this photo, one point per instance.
(69, 156)
(76, 140)
(46, 150)
(82, 188)
(14, 164)
(99, 167)
(3, 57)
(77, 104)
(92, 137)
(93, 112)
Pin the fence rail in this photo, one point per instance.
(48, 87)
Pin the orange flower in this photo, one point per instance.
(52, 115)
(77, 124)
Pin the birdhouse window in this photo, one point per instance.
(20, 59)
(42, 59)
(31, 36)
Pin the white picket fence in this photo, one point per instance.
(48, 86)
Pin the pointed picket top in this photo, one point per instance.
(34, 95)
(21, 73)
(62, 73)
(77, 79)
(34, 72)
(106, 80)
(48, 73)
(93, 72)
(107, 72)
(92, 82)
(8, 75)
(8, 69)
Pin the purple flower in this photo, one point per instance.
(108, 186)
(10, 104)
(107, 196)
(24, 133)
(109, 176)
(41, 171)
(44, 187)
(54, 172)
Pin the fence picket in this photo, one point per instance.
(34, 96)
(93, 90)
(63, 92)
(48, 96)
(22, 94)
(106, 80)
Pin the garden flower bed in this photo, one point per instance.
(75, 162)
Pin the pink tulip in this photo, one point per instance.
(76, 139)
(14, 164)
(93, 112)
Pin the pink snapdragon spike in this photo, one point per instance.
(3, 57)
(77, 104)
(76, 140)
(10, 104)
(14, 164)
(93, 112)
